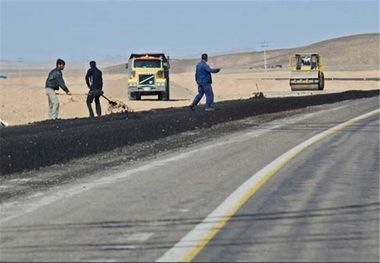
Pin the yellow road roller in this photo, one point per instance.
(306, 72)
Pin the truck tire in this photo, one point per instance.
(138, 96)
(163, 96)
(167, 95)
(131, 96)
(321, 84)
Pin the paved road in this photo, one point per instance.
(323, 205)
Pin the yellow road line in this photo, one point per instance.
(206, 230)
(200, 246)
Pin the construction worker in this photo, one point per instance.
(204, 81)
(53, 82)
(94, 81)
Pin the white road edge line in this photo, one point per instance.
(194, 241)
(17, 209)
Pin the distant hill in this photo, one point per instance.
(356, 52)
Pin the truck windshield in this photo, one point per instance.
(147, 64)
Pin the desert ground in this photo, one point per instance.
(23, 99)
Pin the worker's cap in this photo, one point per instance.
(204, 56)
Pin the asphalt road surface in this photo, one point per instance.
(321, 205)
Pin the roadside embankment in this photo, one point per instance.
(45, 143)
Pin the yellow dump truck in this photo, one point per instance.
(148, 74)
(306, 73)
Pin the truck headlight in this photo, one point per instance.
(160, 74)
(161, 83)
(132, 84)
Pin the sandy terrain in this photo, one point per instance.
(23, 99)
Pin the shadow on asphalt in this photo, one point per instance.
(174, 224)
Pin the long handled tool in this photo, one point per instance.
(113, 103)
(114, 106)
(258, 94)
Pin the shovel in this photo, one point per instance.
(97, 92)
(111, 102)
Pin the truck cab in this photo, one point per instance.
(148, 74)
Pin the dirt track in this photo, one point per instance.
(52, 142)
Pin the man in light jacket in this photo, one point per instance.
(53, 82)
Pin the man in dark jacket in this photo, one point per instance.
(53, 82)
(204, 81)
(94, 81)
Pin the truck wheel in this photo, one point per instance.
(166, 96)
(163, 96)
(138, 96)
(167, 93)
(321, 84)
(131, 96)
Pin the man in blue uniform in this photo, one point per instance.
(204, 81)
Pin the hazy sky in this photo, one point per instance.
(75, 30)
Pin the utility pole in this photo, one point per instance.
(264, 45)
(19, 60)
